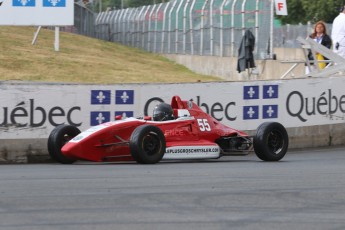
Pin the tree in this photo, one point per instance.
(137, 3)
(296, 13)
(325, 10)
(302, 11)
(118, 4)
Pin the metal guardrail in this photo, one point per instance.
(335, 63)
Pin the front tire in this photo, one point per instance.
(271, 141)
(58, 138)
(147, 144)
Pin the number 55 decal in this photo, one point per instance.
(203, 125)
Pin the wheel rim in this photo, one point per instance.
(65, 138)
(275, 141)
(151, 144)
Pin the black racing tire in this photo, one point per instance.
(271, 141)
(58, 138)
(147, 144)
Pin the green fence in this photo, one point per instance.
(196, 27)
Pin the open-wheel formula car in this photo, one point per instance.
(178, 131)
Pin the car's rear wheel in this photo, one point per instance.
(147, 144)
(58, 138)
(271, 141)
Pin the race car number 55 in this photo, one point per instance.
(203, 125)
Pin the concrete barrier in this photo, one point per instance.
(225, 67)
(24, 151)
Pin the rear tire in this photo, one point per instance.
(271, 141)
(58, 138)
(147, 144)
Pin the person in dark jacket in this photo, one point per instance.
(245, 52)
(320, 36)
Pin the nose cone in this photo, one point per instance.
(85, 149)
(72, 150)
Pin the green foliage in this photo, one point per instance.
(302, 11)
(117, 4)
(137, 3)
(296, 13)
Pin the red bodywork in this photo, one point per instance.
(109, 141)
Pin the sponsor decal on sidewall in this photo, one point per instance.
(192, 152)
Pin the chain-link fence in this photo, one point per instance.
(195, 27)
(285, 36)
(84, 21)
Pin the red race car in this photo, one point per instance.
(177, 131)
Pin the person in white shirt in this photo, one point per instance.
(338, 33)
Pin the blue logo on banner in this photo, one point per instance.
(270, 91)
(100, 97)
(99, 118)
(250, 112)
(250, 92)
(124, 114)
(24, 3)
(124, 97)
(54, 3)
(270, 111)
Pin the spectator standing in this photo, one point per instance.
(338, 33)
(320, 36)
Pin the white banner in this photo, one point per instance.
(37, 12)
(32, 110)
(281, 7)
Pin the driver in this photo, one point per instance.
(163, 112)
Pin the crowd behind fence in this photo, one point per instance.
(195, 27)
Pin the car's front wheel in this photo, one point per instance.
(271, 141)
(147, 144)
(58, 138)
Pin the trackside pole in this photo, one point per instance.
(271, 29)
(36, 35)
(57, 38)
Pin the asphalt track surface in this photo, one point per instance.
(306, 190)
